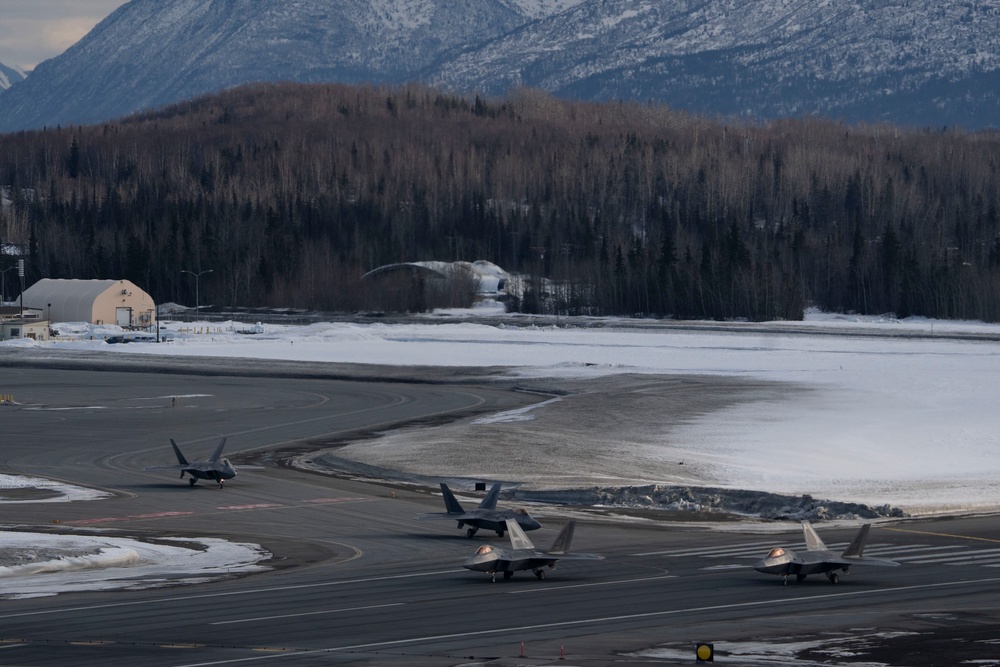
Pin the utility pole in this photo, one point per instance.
(3, 283)
(197, 288)
(20, 272)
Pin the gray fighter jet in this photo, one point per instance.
(817, 558)
(524, 555)
(485, 516)
(216, 468)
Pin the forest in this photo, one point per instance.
(289, 193)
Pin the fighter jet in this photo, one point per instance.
(524, 555)
(216, 468)
(817, 558)
(485, 516)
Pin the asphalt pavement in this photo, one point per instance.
(356, 580)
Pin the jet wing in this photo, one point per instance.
(173, 467)
(866, 560)
(542, 559)
(576, 556)
(438, 516)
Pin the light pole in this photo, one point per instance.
(197, 288)
(3, 284)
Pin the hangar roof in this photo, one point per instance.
(58, 290)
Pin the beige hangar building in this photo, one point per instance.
(118, 302)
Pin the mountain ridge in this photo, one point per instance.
(900, 61)
(9, 75)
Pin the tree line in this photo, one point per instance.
(290, 193)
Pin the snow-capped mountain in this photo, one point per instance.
(152, 52)
(9, 75)
(917, 62)
(909, 61)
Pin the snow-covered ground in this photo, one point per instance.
(25, 489)
(39, 564)
(904, 416)
(34, 564)
(873, 410)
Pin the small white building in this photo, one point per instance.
(16, 322)
(118, 302)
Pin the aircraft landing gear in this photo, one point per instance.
(471, 532)
(832, 576)
(507, 576)
(493, 577)
(540, 574)
(800, 577)
(192, 481)
(500, 533)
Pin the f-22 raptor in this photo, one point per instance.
(817, 558)
(485, 516)
(524, 555)
(215, 468)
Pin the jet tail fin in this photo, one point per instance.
(217, 454)
(450, 501)
(490, 501)
(564, 538)
(518, 539)
(177, 450)
(813, 543)
(857, 547)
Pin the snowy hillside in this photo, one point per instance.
(914, 62)
(9, 76)
(149, 53)
(917, 62)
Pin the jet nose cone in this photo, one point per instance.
(474, 563)
(532, 525)
(771, 566)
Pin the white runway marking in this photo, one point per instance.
(345, 582)
(549, 589)
(773, 603)
(308, 613)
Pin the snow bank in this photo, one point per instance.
(40, 564)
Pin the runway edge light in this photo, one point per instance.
(705, 653)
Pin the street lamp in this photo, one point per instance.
(3, 284)
(197, 288)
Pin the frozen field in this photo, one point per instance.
(871, 410)
(875, 411)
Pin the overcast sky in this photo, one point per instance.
(35, 30)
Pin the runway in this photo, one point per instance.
(356, 580)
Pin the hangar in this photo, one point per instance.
(419, 286)
(118, 302)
